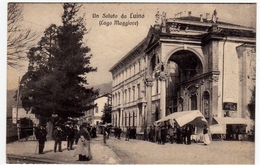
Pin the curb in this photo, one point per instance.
(39, 160)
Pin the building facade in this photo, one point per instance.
(94, 115)
(185, 63)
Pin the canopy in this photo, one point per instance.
(230, 120)
(193, 117)
(218, 129)
(220, 124)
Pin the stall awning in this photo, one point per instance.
(193, 117)
(230, 120)
(218, 129)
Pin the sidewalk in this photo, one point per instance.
(28, 149)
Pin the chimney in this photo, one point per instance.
(201, 18)
(175, 15)
(207, 17)
(180, 14)
(189, 13)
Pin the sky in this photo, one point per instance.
(109, 44)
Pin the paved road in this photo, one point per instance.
(25, 151)
(138, 152)
(218, 152)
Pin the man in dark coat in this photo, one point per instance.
(127, 134)
(119, 133)
(163, 134)
(188, 134)
(41, 134)
(178, 132)
(183, 135)
(70, 136)
(57, 136)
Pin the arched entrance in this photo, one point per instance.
(183, 66)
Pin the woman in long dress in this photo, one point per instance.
(206, 138)
(83, 146)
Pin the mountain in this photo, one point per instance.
(104, 88)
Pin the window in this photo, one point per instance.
(133, 93)
(134, 69)
(96, 110)
(129, 95)
(139, 91)
(193, 102)
(139, 63)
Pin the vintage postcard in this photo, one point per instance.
(131, 83)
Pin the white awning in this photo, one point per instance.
(218, 129)
(193, 117)
(231, 120)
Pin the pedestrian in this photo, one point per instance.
(134, 132)
(94, 131)
(178, 132)
(163, 134)
(108, 132)
(57, 136)
(171, 134)
(183, 135)
(175, 133)
(70, 136)
(150, 134)
(206, 135)
(76, 130)
(105, 135)
(188, 133)
(145, 133)
(41, 134)
(127, 134)
(159, 137)
(119, 133)
(115, 132)
(83, 147)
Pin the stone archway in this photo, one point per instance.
(183, 66)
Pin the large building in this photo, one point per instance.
(185, 63)
(94, 115)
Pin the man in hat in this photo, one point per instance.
(70, 135)
(57, 135)
(41, 134)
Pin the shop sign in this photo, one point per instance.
(230, 106)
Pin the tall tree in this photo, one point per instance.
(19, 38)
(56, 78)
(106, 117)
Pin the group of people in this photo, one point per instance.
(80, 136)
(174, 134)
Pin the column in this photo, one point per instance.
(214, 97)
(163, 95)
(149, 84)
(121, 118)
(163, 99)
(138, 116)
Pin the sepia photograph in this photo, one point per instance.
(130, 83)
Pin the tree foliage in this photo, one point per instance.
(56, 77)
(106, 117)
(19, 39)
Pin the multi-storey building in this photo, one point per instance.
(94, 115)
(185, 63)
